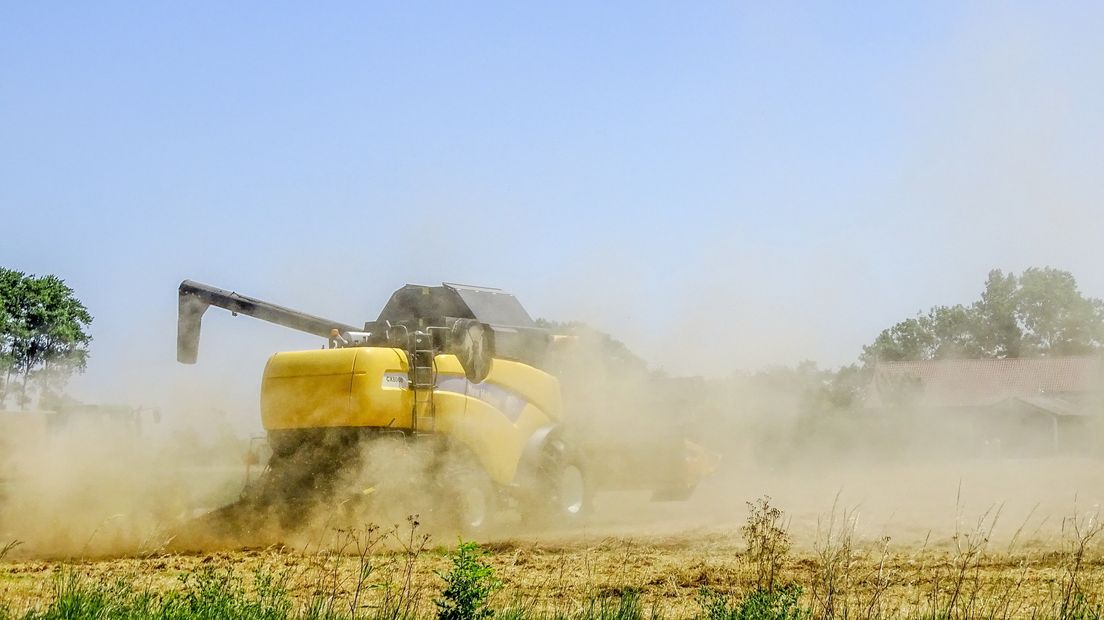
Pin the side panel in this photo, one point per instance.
(495, 418)
(535, 386)
(379, 393)
(335, 388)
(306, 389)
(495, 440)
(367, 387)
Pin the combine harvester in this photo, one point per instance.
(457, 372)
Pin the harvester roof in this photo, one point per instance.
(486, 305)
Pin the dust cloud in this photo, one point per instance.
(1003, 173)
(820, 444)
(99, 485)
(94, 483)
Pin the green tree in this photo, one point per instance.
(1039, 313)
(9, 283)
(911, 339)
(1056, 318)
(43, 335)
(998, 329)
(12, 325)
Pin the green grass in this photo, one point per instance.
(216, 594)
(207, 594)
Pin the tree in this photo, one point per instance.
(11, 324)
(1039, 313)
(999, 331)
(43, 334)
(1056, 318)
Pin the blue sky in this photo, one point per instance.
(788, 179)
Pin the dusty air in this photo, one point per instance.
(557, 311)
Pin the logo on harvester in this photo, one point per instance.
(394, 380)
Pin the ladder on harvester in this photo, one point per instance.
(423, 381)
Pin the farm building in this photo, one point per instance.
(1008, 406)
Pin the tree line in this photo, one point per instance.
(44, 337)
(1039, 313)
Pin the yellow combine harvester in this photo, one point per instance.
(456, 371)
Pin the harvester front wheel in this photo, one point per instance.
(470, 500)
(563, 496)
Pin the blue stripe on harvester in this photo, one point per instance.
(508, 402)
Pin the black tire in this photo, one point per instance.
(469, 500)
(564, 494)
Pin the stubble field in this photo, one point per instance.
(995, 539)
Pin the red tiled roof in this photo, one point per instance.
(980, 382)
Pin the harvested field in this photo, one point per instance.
(667, 574)
(984, 539)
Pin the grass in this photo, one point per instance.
(372, 573)
(205, 594)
